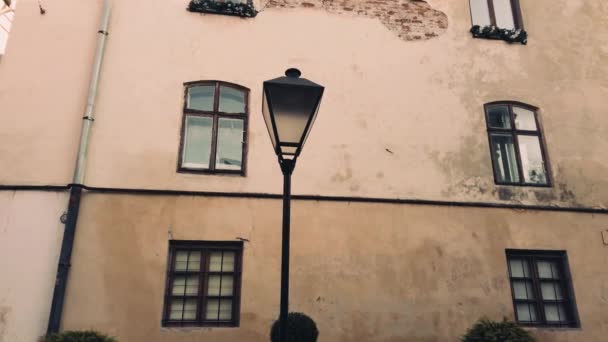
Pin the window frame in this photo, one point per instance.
(515, 11)
(215, 115)
(514, 132)
(205, 247)
(565, 281)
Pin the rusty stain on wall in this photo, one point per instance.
(4, 310)
(409, 19)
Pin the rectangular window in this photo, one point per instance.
(214, 131)
(541, 288)
(203, 284)
(516, 146)
(504, 14)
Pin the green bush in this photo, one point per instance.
(300, 328)
(486, 330)
(78, 336)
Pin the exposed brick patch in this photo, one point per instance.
(409, 19)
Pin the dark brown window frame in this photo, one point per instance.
(215, 115)
(205, 247)
(515, 9)
(515, 132)
(565, 281)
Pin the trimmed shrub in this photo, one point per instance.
(486, 330)
(78, 336)
(300, 328)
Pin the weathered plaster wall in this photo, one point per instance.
(409, 19)
(364, 272)
(420, 100)
(399, 118)
(30, 237)
(43, 85)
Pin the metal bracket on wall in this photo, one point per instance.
(605, 236)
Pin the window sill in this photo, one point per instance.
(493, 32)
(550, 327)
(193, 326)
(211, 172)
(532, 185)
(245, 10)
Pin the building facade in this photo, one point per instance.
(456, 169)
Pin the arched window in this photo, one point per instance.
(516, 144)
(214, 128)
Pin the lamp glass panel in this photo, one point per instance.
(289, 149)
(312, 122)
(292, 108)
(268, 120)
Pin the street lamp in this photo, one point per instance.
(290, 105)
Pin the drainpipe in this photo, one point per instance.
(76, 187)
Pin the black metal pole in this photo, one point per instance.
(287, 168)
(63, 268)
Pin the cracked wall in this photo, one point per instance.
(409, 19)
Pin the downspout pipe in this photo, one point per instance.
(69, 234)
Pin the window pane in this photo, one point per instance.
(183, 309)
(225, 309)
(504, 14)
(197, 145)
(555, 313)
(229, 144)
(201, 97)
(498, 117)
(181, 261)
(187, 261)
(194, 261)
(532, 162)
(551, 291)
(185, 286)
(524, 119)
(228, 262)
(227, 282)
(480, 13)
(526, 312)
(523, 290)
(215, 262)
(519, 268)
(548, 269)
(504, 158)
(177, 308)
(190, 309)
(231, 100)
(212, 309)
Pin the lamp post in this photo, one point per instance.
(290, 105)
